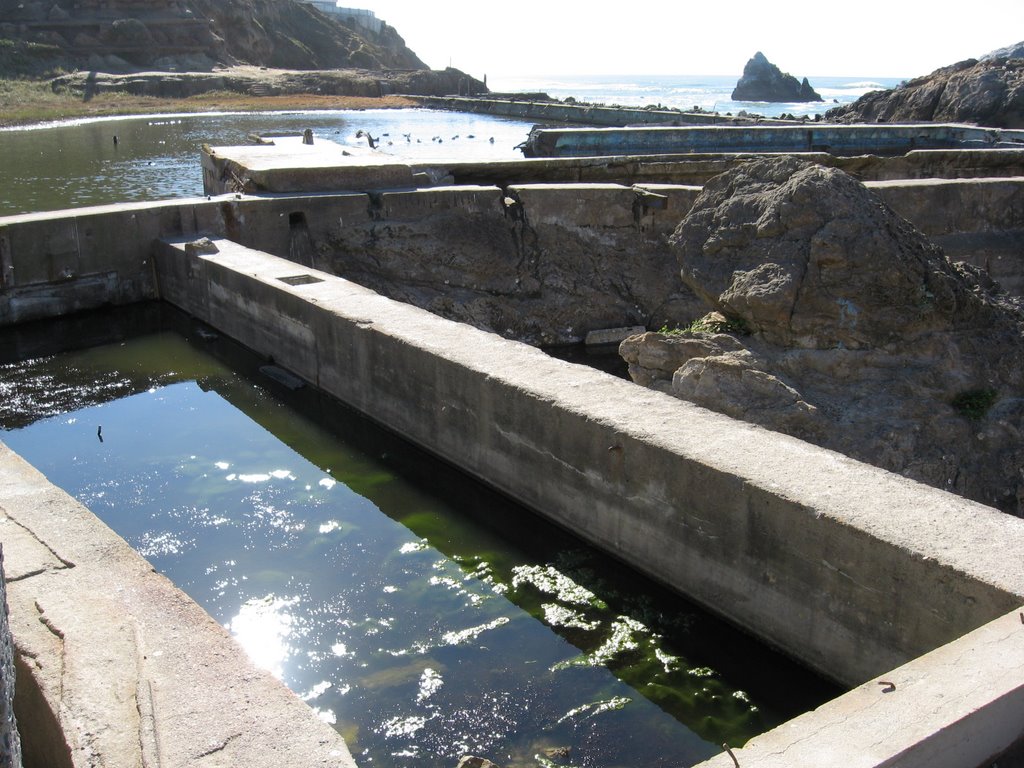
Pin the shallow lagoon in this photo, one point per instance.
(424, 615)
(74, 164)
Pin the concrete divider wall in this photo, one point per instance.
(559, 261)
(888, 138)
(847, 567)
(60, 262)
(697, 168)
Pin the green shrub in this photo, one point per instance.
(974, 403)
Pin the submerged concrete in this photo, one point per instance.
(834, 139)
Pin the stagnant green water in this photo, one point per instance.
(422, 614)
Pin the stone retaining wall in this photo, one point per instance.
(541, 262)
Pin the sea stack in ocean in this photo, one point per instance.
(763, 81)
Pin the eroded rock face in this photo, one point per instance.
(763, 81)
(807, 258)
(282, 35)
(850, 330)
(988, 92)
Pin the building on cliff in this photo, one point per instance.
(352, 17)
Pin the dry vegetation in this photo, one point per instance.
(33, 101)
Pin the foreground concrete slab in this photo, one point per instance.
(118, 667)
(958, 706)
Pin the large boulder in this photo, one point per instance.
(808, 258)
(837, 322)
(763, 81)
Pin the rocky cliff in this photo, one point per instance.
(989, 92)
(763, 81)
(126, 35)
(834, 320)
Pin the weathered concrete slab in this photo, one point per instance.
(420, 204)
(118, 667)
(10, 740)
(972, 220)
(611, 335)
(296, 167)
(591, 207)
(957, 707)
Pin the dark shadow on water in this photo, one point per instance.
(603, 357)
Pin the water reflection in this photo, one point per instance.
(157, 158)
(422, 615)
(263, 626)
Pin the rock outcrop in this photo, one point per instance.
(763, 81)
(269, 82)
(839, 323)
(126, 35)
(1015, 51)
(988, 92)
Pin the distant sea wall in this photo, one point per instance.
(584, 114)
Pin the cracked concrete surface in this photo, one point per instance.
(945, 709)
(132, 671)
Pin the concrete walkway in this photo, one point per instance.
(118, 667)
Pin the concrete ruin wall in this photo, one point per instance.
(980, 221)
(541, 262)
(720, 510)
(851, 569)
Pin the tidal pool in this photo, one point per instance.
(422, 614)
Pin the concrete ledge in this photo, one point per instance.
(888, 138)
(296, 167)
(959, 706)
(126, 668)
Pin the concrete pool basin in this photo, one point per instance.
(907, 594)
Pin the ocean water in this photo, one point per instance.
(712, 93)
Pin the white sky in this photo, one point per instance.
(871, 38)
